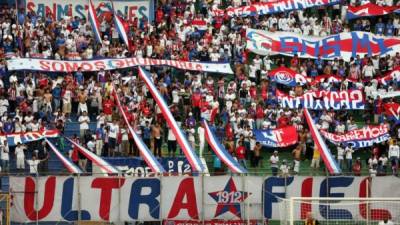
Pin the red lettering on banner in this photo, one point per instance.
(86, 66)
(306, 191)
(106, 185)
(199, 67)
(129, 62)
(185, 190)
(132, 12)
(99, 65)
(154, 62)
(29, 198)
(365, 209)
(44, 65)
(71, 66)
(189, 65)
(116, 63)
(58, 66)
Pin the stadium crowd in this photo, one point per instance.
(30, 101)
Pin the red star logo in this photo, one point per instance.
(229, 199)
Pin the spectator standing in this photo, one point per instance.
(157, 140)
(171, 143)
(296, 153)
(349, 157)
(274, 160)
(201, 135)
(5, 156)
(20, 155)
(284, 168)
(357, 166)
(394, 154)
(316, 159)
(83, 124)
(340, 155)
(384, 162)
(241, 154)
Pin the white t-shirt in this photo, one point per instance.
(84, 122)
(4, 153)
(340, 153)
(19, 152)
(349, 153)
(33, 165)
(274, 161)
(114, 129)
(394, 151)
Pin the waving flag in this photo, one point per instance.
(200, 24)
(280, 137)
(71, 167)
(220, 151)
(391, 76)
(367, 10)
(327, 78)
(97, 160)
(144, 150)
(328, 158)
(94, 22)
(392, 110)
(122, 27)
(26, 137)
(193, 159)
(288, 77)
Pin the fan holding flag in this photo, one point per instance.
(122, 26)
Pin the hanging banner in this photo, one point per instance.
(26, 137)
(272, 7)
(360, 138)
(136, 166)
(342, 45)
(367, 10)
(47, 65)
(327, 78)
(281, 137)
(175, 198)
(59, 9)
(71, 167)
(288, 77)
(320, 100)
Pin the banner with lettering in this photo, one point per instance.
(272, 7)
(59, 9)
(48, 65)
(320, 100)
(119, 199)
(360, 138)
(281, 137)
(392, 110)
(367, 10)
(392, 76)
(288, 77)
(343, 45)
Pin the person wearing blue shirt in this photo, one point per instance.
(379, 27)
(146, 134)
(357, 26)
(56, 92)
(389, 28)
(60, 40)
(8, 126)
(79, 76)
(75, 23)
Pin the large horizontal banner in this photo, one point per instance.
(272, 7)
(281, 137)
(136, 166)
(47, 65)
(320, 100)
(193, 198)
(342, 45)
(360, 138)
(26, 137)
(58, 9)
(367, 10)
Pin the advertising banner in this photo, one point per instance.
(281, 137)
(226, 198)
(59, 9)
(360, 138)
(343, 45)
(320, 100)
(47, 65)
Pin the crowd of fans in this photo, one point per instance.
(235, 105)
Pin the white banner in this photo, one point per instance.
(47, 65)
(58, 9)
(189, 198)
(342, 45)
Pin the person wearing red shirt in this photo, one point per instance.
(283, 120)
(196, 104)
(241, 154)
(259, 116)
(108, 105)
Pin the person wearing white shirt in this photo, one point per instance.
(83, 124)
(200, 133)
(394, 154)
(112, 135)
(349, 156)
(368, 71)
(20, 155)
(5, 156)
(340, 155)
(274, 160)
(33, 164)
(384, 161)
(386, 222)
(171, 143)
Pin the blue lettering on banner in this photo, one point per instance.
(66, 203)
(325, 191)
(150, 199)
(270, 197)
(289, 45)
(314, 45)
(331, 44)
(360, 44)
